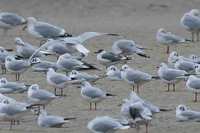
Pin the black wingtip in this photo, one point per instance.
(143, 55)
(70, 118)
(9, 49)
(109, 94)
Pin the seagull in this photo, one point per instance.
(24, 49)
(82, 76)
(113, 73)
(58, 80)
(170, 75)
(134, 98)
(105, 124)
(193, 84)
(183, 64)
(3, 54)
(44, 65)
(18, 66)
(128, 47)
(66, 62)
(173, 58)
(109, 58)
(39, 97)
(136, 113)
(12, 111)
(135, 77)
(191, 22)
(60, 47)
(10, 20)
(167, 38)
(45, 120)
(194, 58)
(183, 113)
(82, 38)
(45, 30)
(93, 94)
(7, 87)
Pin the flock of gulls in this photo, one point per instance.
(68, 69)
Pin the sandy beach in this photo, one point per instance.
(136, 20)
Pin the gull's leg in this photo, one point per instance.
(195, 97)
(55, 92)
(3, 69)
(43, 106)
(18, 122)
(90, 106)
(174, 87)
(16, 76)
(168, 87)
(197, 36)
(146, 125)
(138, 89)
(133, 88)
(11, 123)
(95, 106)
(167, 50)
(192, 36)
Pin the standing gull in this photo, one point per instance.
(39, 97)
(10, 20)
(135, 77)
(191, 22)
(93, 94)
(58, 80)
(18, 66)
(167, 38)
(3, 54)
(193, 84)
(170, 75)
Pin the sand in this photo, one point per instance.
(135, 19)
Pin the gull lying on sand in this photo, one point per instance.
(183, 113)
(105, 124)
(41, 29)
(45, 120)
(128, 47)
(11, 87)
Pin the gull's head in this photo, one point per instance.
(73, 74)
(50, 70)
(9, 58)
(34, 87)
(85, 83)
(19, 41)
(181, 108)
(43, 112)
(193, 56)
(161, 30)
(5, 101)
(162, 65)
(195, 12)
(99, 51)
(2, 50)
(31, 20)
(112, 68)
(66, 55)
(125, 67)
(174, 53)
(3, 81)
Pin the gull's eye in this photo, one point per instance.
(182, 108)
(113, 69)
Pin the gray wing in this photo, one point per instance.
(195, 84)
(43, 95)
(12, 19)
(58, 79)
(93, 92)
(48, 31)
(137, 76)
(169, 37)
(172, 74)
(18, 65)
(44, 66)
(51, 121)
(191, 22)
(110, 56)
(11, 110)
(191, 114)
